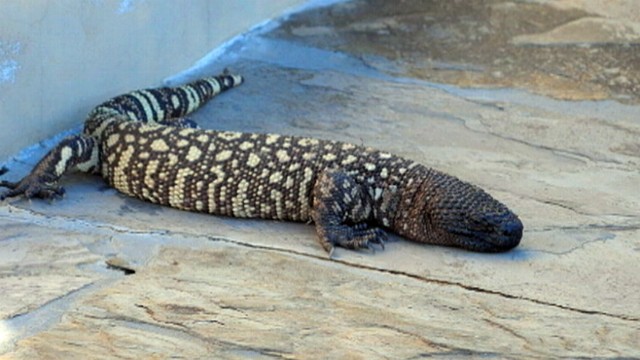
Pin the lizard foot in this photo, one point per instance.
(365, 237)
(342, 213)
(31, 187)
(355, 237)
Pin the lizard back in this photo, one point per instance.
(235, 174)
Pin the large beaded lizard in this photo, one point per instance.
(142, 144)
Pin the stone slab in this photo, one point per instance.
(585, 31)
(201, 285)
(39, 264)
(233, 302)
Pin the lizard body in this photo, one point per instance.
(142, 145)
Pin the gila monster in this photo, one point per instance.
(142, 145)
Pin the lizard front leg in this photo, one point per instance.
(341, 211)
(75, 152)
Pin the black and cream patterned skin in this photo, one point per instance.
(142, 144)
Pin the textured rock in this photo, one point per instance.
(481, 43)
(237, 302)
(201, 286)
(586, 31)
(625, 10)
(38, 265)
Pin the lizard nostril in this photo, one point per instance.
(512, 229)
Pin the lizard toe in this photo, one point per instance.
(8, 184)
(51, 192)
(367, 239)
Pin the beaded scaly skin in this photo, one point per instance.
(142, 144)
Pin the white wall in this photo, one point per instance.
(59, 58)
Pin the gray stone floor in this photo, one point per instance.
(512, 96)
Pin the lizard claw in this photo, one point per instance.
(364, 238)
(381, 237)
(8, 184)
(378, 237)
(331, 251)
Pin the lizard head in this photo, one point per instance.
(489, 231)
(465, 216)
(455, 213)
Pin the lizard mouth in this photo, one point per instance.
(504, 237)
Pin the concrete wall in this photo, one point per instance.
(59, 58)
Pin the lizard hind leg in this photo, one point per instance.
(75, 152)
(341, 211)
(31, 189)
